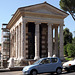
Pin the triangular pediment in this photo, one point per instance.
(45, 11)
(45, 8)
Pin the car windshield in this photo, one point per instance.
(37, 62)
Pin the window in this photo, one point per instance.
(45, 61)
(54, 60)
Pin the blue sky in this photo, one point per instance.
(9, 7)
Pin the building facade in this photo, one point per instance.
(5, 44)
(32, 29)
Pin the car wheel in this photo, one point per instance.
(52, 73)
(59, 71)
(33, 72)
(68, 70)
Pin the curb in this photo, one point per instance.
(11, 69)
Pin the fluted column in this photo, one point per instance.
(36, 41)
(50, 40)
(16, 42)
(56, 40)
(12, 43)
(61, 42)
(19, 42)
(23, 39)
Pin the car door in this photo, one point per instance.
(54, 64)
(44, 66)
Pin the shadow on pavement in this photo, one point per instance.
(64, 73)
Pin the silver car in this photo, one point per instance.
(44, 65)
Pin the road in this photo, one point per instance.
(20, 73)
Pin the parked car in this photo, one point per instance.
(70, 65)
(44, 65)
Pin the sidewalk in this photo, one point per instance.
(4, 70)
(17, 68)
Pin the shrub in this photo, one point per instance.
(71, 50)
(65, 50)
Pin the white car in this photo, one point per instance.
(70, 65)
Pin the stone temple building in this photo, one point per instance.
(31, 32)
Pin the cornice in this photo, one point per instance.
(15, 17)
(23, 13)
(44, 15)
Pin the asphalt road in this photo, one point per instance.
(20, 73)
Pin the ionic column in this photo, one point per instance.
(56, 41)
(61, 42)
(23, 39)
(50, 40)
(12, 43)
(36, 41)
(16, 42)
(19, 42)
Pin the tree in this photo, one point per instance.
(67, 36)
(65, 50)
(73, 41)
(71, 50)
(68, 5)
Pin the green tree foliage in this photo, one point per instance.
(65, 50)
(0, 44)
(73, 41)
(68, 5)
(67, 36)
(71, 50)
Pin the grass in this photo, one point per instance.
(68, 58)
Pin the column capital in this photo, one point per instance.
(61, 24)
(24, 21)
(56, 27)
(37, 22)
(49, 23)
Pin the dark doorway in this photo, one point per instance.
(43, 40)
(31, 40)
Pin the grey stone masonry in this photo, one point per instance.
(50, 40)
(36, 41)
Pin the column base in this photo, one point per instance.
(62, 58)
(22, 58)
(36, 58)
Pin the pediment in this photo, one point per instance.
(45, 8)
(45, 11)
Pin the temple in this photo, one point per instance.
(34, 32)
